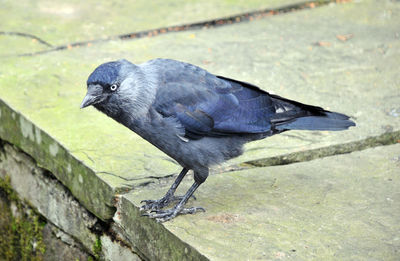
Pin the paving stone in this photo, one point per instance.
(301, 55)
(337, 208)
(278, 54)
(59, 22)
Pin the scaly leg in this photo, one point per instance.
(168, 197)
(165, 215)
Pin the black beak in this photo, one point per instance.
(88, 100)
(93, 96)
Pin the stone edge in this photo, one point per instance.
(147, 237)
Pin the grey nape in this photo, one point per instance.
(195, 117)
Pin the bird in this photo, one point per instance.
(197, 118)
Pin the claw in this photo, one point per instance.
(150, 204)
(153, 205)
(147, 201)
(165, 215)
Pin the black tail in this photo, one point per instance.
(331, 121)
(292, 115)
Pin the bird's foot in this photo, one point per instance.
(152, 205)
(168, 214)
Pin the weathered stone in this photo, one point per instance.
(114, 251)
(298, 55)
(48, 196)
(58, 249)
(18, 130)
(151, 238)
(71, 231)
(21, 230)
(338, 208)
(265, 46)
(25, 236)
(58, 22)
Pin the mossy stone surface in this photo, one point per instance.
(22, 229)
(278, 54)
(60, 22)
(300, 55)
(338, 208)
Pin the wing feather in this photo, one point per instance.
(209, 105)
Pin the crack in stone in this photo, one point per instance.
(302, 156)
(139, 178)
(87, 155)
(27, 36)
(94, 225)
(213, 23)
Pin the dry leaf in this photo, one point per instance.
(344, 37)
(322, 43)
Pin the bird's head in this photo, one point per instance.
(104, 84)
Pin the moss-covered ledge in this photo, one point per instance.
(70, 232)
(60, 23)
(108, 168)
(53, 156)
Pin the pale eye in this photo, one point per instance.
(113, 87)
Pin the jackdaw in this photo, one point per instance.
(197, 118)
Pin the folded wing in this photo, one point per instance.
(207, 105)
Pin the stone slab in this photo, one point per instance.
(57, 248)
(356, 77)
(47, 195)
(297, 55)
(53, 156)
(70, 228)
(112, 250)
(343, 207)
(60, 22)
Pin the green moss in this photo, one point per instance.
(97, 248)
(57, 21)
(21, 229)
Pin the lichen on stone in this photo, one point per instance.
(21, 228)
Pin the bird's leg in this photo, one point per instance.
(168, 197)
(200, 175)
(165, 215)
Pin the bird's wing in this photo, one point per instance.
(207, 105)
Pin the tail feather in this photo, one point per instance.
(298, 116)
(332, 122)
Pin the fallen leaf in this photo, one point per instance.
(344, 37)
(322, 43)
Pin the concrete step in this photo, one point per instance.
(338, 208)
(343, 57)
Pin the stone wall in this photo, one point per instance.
(40, 219)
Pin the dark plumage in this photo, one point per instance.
(195, 117)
